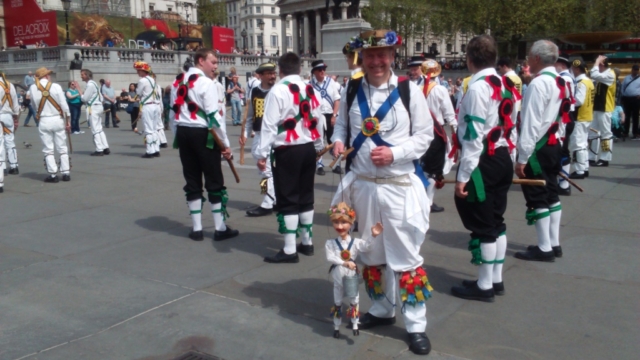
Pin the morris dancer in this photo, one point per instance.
(388, 136)
(93, 99)
(9, 114)
(328, 93)
(150, 109)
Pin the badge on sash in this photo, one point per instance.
(370, 126)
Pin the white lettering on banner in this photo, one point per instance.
(16, 3)
(32, 31)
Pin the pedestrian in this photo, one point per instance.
(162, 138)
(234, 89)
(579, 144)
(74, 101)
(544, 106)
(26, 102)
(150, 109)
(389, 128)
(9, 113)
(631, 102)
(109, 104)
(29, 80)
(133, 105)
(195, 114)
(290, 106)
(53, 113)
(328, 92)
(485, 171)
(603, 105)
(93, 99)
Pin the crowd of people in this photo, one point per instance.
(391, 132)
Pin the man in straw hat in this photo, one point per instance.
(291, 127)
(485, 171)
(603, 105)
(255, 111)
(150, 108)
(53, 114)
(387, 123)
(328, 93)
(92, 97)
(579, 144)
(195, 110)
(9, 113)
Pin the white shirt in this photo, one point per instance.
(477, 102)
(253, 82)
(89, 94)
(333, 251)
(540, 108)
(220, 88)
(332, 90)
(146, 87)
(581, 90)
(205, 95)
(440, 105)
(56, 93)
(279, 107)
(421, 80)
(6, 108)
(608, 77)
(630, 86)
(394, 129)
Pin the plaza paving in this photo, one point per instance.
(101, 268)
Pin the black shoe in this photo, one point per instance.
(305, 249)
(592, 162)
(164, 146)
(107, 151)
(473, 292)
(419, 343)
(336, 334)
(196, 235)
(14, 171)
(435, 208)
(97, 153)
(586, 173)
(320, 171)
(356, 332)
(1, 189)
(601, 163)
(575, 176)
(66, 177)
(50, 179)
(259, 211)
(106, 126)
(224, 235)
(498, 288)
(368, 321)
(337, 170)
(156, 154)
(116, 126)
(148, 156)
(564, 192)
(281, 257)
(557, 250)
(534, 253)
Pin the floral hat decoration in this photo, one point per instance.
(141, 65)
(373, 39)
(342, 211)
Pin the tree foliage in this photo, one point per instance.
(212, 12)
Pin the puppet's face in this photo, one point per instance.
(341, 226)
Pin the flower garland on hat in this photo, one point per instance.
(141, 65)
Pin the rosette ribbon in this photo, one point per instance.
(496, 85)
(290, 126)
(312, 95)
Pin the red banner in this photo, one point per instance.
(26, 22)
(222, 39)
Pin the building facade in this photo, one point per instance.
(247, 15)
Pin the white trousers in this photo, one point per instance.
(338, 292)
(579, 145)
(52, 134)
(150, 114)
(2, 159)
(94, 114)
(11, 155)
(160, 127)
(270, 197)
(602, 125)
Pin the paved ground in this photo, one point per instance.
(101, 268)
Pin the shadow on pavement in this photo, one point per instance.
(453, 239)
(164, 224)
(261, 244)
(33, 176)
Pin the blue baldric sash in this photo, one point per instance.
(323, 90)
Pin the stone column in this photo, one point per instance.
(283, 33)
(318, 34)
(345, 5)
(295, 33)
(306, 39)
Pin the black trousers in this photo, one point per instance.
(134, 116)
(631, 107)
(485, 219)
(294, 172)
(198, 160)
(541, 197)
(566, 154)
(329, 130)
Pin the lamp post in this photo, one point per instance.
(261, 26)
(66, 5)
(244, 39)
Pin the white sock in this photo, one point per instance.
(554, 226)
(291, 222)
(195, 209)
(485, 272)
(431, 190)
(564, 184)
(336, 323)
(306, 218)
(218, 219)
(501, 251)
(542, 229)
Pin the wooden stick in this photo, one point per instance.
(342, 157)
(530, 182)
(595, 131)
(571, 182)
(69, 136)
(324, 151)
(222, 148)
(244, 125)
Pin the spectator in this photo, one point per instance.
(109, 43)
(75, 105)
(444, 82)
(29, 80)
(133, 105)
(235, 90)
(109, 104)
(166, 104)
(32, 113)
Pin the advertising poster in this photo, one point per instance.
(26, 22)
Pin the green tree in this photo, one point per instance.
(212, 12)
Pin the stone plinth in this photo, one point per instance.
(335, 34)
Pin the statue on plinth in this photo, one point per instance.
(76, 63)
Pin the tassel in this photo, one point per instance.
(562, 86)
(552, 139)
(507, 136)
(455, 146)
(312, 95)
(295, 90)
(355, 58)
(313, 127)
